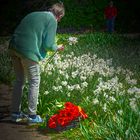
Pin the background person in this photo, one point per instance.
(110, 14)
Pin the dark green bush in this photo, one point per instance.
(79, 14)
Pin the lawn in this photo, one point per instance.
(100, 73)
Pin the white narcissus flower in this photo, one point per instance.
(105, 107)
(84, 84)
(46, 92)
(83, 78)
(70, 88)
(59, 87)
(133, 90)
(131, 81)
(112, 99)
(64, 83)
(127, 132)
(120, 112)
(106, 95)
(61, 72)
(95, 101)
(74, 74)
(49, 73)
(68, 94)
(72, 40)
(77, 87)
(133, 104)
(55, 88)
(87, 98)
(66, 76)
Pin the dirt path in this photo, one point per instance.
(11, 131)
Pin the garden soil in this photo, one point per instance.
(12, 131)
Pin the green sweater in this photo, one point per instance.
(35, 35)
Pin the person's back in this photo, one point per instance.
(31, 33)
(110, 11)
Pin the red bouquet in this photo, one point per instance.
(66, 116)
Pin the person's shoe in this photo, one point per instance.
(35, 120)
(19, 117)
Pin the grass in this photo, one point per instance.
(101, 74)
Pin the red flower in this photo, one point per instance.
(52, 121)
(69, 105)
(52, 124)
(66, 115)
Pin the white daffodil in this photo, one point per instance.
(112, 99)
(105, 107)
(84, 84)
(64, 83)
(95, 101)
(77, 87)
(72, 40)
(133, 104)
(70, 88)
(120, 112)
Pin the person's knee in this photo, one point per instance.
(34, 75)
(35, 81)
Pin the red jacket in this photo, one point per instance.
(110, 12)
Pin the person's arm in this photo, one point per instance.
(49, 40)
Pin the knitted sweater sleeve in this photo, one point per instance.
(49, 39)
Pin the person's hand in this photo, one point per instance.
(60, 47)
